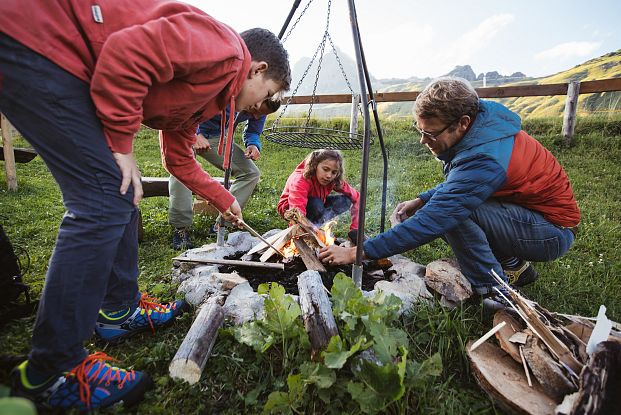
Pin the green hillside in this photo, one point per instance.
(604, 67)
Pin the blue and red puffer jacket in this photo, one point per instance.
(495, 159)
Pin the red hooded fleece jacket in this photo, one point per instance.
(165, 64)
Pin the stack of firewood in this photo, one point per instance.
(542, 365)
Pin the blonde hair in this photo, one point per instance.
(313, 159)
(447, 98)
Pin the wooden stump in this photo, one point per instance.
(504, 381)
(190, 360)
(444, 277)
(316, 310)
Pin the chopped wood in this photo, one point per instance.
(526, 311)
(487, 335)
(444, 277)
(294, 215)
(600, 382)
(262, 245)
(503, 380)
(252, 264)
(526, 371)
(190, 359)
(547, 370)
(258, 235)
(520, 338)
(503, 336)
(279, 243)
(308, 256)
(316, 311)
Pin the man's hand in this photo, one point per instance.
(405, 210)
(129, 175)
(202, 144)
(233, 214)
(252, 152)
(336, 255)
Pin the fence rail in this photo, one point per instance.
(586, 87)
(571, 89)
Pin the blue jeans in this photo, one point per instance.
(497, 231)
(95, 261)
(319, 213)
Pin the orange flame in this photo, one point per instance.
(328, 236)
(290, 250)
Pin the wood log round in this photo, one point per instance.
(316, 310)
(190, 359)
(504, 381)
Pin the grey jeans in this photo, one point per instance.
(244, 171)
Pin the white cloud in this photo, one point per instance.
(568, 50)
(462, 49)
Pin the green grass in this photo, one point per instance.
(236, 380)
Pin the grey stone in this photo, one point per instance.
(243, 304)
(242, 241)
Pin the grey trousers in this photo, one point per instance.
(244, 171)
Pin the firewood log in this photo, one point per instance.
(190, 359)
(316, 311)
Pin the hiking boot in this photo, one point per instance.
(181, 239)
(149, 314)
(90, 385)
(494, 301)
(522, 274)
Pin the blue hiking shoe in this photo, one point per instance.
(90, 385)
(149, 314)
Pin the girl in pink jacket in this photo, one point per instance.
(308, 188)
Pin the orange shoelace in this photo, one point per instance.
(107, 372)
(149, 304)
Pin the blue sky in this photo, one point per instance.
(429, 38)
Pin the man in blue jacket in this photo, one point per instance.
(505, 200)
(243, 169)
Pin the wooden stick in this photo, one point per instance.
(265, 241)
(530, 383)
(252, 264)
(487, 335)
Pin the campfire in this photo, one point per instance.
(301, 239)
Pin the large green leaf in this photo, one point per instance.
(336, 354)
(387, 340)
(252, 334)
(277, 403)
(282, 312)
(344, 291)
(317, 374)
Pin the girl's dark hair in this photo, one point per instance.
(265, 46)
(314, 158)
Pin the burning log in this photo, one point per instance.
(294, 215)
(279, 243)
(190, 359)
(316, 311)
(308, 256)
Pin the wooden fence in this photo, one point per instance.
(571, 89)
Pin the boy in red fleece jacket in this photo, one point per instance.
(77, 78)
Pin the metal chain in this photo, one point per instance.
(338, 59)
(326, 34)
(296, 21)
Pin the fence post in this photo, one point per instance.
(9, 155)
(353, 121)
(569, 117)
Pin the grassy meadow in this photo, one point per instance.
(236, 379)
